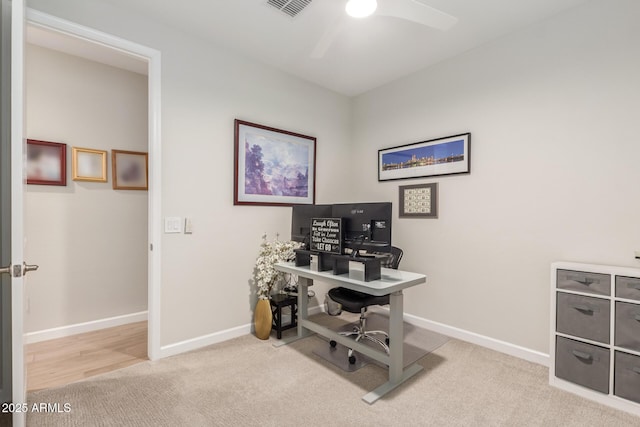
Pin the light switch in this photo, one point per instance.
(173, 224)
(188, 226)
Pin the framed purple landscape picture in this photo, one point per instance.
(273, 166)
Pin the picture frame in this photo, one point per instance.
(130, 170)
(442, 156)
(273, 167)
(89, 164)
(419, 201)
(46, 163)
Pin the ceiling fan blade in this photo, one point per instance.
(412, 10)
(327, 38)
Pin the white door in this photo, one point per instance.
(18, 371)
(5, 204)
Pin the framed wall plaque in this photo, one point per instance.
(419, 201)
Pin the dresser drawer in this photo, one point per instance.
(583, 364)
(593, 283)
(627, 325)
(626, 383)
(628, 287)
(584, 317)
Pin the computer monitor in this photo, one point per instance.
(301, 220)
(366, 226)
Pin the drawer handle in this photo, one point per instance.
(582, 355)
(636, 370)
(584, 309)
(635, 286)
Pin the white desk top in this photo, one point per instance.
(391, 280)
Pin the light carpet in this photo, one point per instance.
(249, 382)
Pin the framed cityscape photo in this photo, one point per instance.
(442, 156)
(46, 163)
(273, 166)
(419, 201)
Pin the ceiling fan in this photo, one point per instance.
(409, 10)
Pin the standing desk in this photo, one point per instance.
(391, 283)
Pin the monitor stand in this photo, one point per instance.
(365, 269)
(317, 261)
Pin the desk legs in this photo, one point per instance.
(396, 336)
(303, 304)
(397, 373)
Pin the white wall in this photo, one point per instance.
(553, 114)
(206, 275)
(89, 240)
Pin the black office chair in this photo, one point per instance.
(392, 260)
(357, 302)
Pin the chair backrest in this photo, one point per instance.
(393, 258)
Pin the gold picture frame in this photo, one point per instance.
(89, 164)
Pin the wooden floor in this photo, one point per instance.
(65, 360)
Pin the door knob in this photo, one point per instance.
(27, 268)
(16, 271)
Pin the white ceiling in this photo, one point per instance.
(366, 53)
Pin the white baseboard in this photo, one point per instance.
(216, 337)
(204, 340)
(450, 331)
(481, 340)
(80, 328)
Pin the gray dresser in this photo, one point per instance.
(595, 333)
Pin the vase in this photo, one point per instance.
(263, 319)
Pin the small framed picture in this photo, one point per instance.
(130, 170)
(89, 164)
(46, 163)
(419, 201)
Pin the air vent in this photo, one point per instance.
(290, 7)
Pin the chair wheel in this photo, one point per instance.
(352, 360)
(332, 343)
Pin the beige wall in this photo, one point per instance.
(552, 114)
(89, 240)
(206, 275)
(552, 111)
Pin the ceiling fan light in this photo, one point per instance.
(361, 8)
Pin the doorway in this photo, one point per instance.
(81, 230)
(151, 58)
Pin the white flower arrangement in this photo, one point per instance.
(270, 253)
